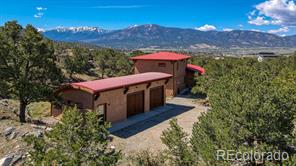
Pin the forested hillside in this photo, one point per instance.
(88, 62)
(252, 109)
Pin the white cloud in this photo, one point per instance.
(253, 13)
(259, 20)
(40, 12)
(206, 27)
(38, 15)
(275, 12)
(41, 8)
(227, 29)
(280, 30)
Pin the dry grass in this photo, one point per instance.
(9, 109)
(38, 110)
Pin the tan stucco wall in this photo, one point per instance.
(180, 74)
(78, 96)
(116, 100)
(176, 68)
(75, 96)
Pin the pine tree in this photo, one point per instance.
(250, 110)
(28, 70)
(178, 145)
(78, 63)
(79, 139)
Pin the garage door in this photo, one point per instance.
(156, 97)
(135, 103)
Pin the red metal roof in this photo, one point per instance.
(167, 56)
(196, 68)
(119, 82)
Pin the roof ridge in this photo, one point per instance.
(119, 82)
(169, 56)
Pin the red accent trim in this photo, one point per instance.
(196, 68)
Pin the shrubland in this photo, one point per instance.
(252, 109)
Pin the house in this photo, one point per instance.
(171, 63)
(116, 99)
(267, 55)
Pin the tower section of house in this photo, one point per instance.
(166, 62)
(115, 99)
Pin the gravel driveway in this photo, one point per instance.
(146, 134)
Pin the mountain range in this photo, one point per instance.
(159, 37)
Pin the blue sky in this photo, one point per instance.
(274, 16)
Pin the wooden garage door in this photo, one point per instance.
(156, 97)
(135, 103)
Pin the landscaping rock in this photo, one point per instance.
(6, 161)
(49, 129)
(8, 131)
(24, 134)
(16, 158)
(38, 127)
(36, 133)
(12, 135)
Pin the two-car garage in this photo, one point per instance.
(136, 100)
(117, 98)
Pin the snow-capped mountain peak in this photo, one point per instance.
(133, 26)
(80, 29)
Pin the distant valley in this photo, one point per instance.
(158, 37)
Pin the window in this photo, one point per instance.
(101, 111)
(161, 65)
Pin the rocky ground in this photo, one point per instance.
(12, 146)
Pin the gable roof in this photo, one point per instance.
(119, 82)
(196, 68)
(165, 56)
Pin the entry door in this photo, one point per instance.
(156, 97)
(135, 103)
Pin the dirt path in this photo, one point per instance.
(146, 134)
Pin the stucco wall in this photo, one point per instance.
(143, 66)
(75, 96)
(78, 96)
(180, 74)
(176, 68)
(115, 100)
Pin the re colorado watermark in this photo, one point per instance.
(233, 155)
